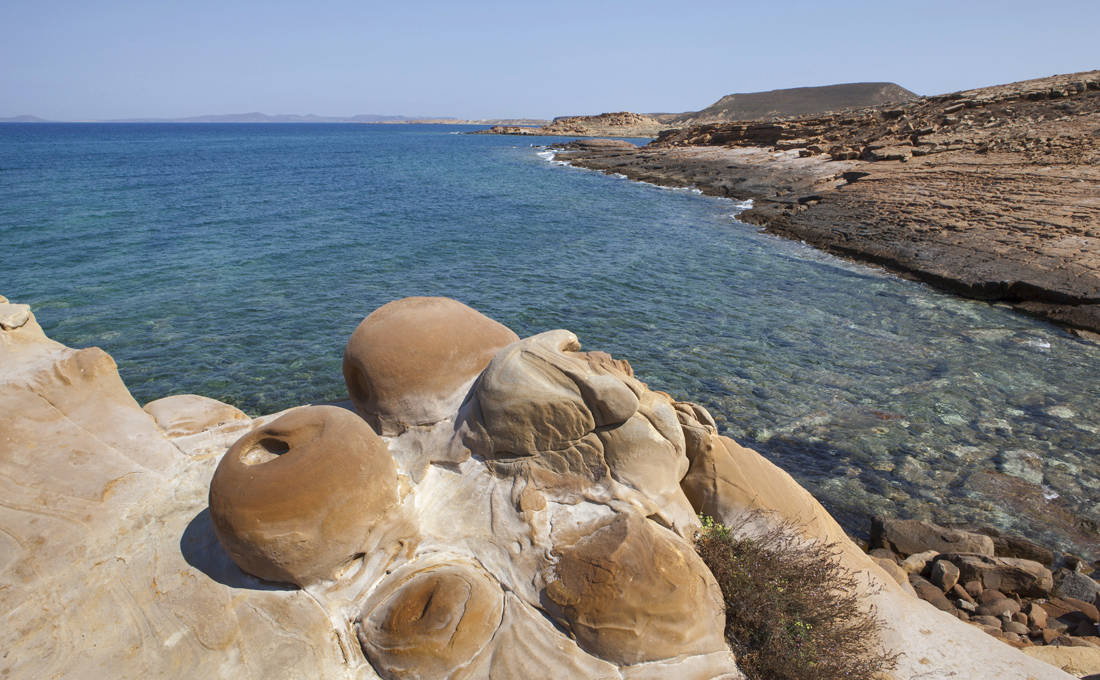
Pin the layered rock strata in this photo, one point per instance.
(990, 193)
(479, 546)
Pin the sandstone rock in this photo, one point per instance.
(1007, 574)
(900, 576)
(1071, 616)
(930, 593)
(991, 595)
(908, 536)
(1036, 615)
(294, 500)
(187, 414)
(1074, 584)
(945, 575)
(915, 563)
(632, 592)
(427, 621)
(999, 608)
(411, 361)
(579, 418)
(883, 554)
(960, 592)
(1077, 661)
(110, 565)
(13, 316)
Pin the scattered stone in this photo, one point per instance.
(960, 592)
(999, 608)
(990, 596)
(930, 593)
(1074, 584)
(1036, 615)
(908, 536)
(915, 564)
(945, 575)
(973, 587)
(1007, 574)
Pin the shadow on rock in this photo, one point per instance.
(200, 547)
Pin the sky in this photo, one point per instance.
(81, 60)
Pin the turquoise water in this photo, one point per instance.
(234, 261)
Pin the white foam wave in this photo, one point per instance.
(740, 207)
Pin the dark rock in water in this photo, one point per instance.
(909, 536)
(1005, 545)
(1076, 585)
(1007, 574)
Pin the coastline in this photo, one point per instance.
(995, 216)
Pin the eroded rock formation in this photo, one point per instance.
(539, 529)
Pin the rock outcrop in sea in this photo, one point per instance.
(497, 508)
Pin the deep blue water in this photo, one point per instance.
(234, 261)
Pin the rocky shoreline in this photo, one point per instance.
(1008, 586)
(989, 193)
(498, 506)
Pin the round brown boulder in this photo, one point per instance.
(294, 500)
(633, 592)
(429, 621)
(406, 362)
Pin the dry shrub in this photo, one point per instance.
(792, 610)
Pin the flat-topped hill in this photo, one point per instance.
(794, 101)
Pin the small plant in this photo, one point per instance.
(792, 610)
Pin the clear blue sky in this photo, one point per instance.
(99, 59)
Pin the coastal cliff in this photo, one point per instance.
(989, 193)
(132, 538)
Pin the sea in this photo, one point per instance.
(234, 260)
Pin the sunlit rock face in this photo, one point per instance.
(411, 359)
(630, 592)
(573, 419)
(428, 620)
(294, 500)
(538, 526)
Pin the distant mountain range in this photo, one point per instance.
(257, 117)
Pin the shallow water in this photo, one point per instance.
(234, 261)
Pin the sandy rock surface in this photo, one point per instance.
(481, 565)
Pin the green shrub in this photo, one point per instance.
(792, 610)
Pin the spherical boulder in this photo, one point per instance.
(294, 500)
(633, 592)
(427, 621)
(408, 362)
